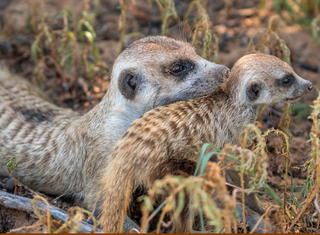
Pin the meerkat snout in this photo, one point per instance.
(226, 75)
(309, 87)
(223, 73)
(216, 71)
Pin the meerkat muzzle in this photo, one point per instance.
(309, 87)
(226, 75)
(306, 87)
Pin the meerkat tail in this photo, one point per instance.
(115, 204)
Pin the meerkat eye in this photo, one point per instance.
(177, 68)
(287, 80)
(181, 68)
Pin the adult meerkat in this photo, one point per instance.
(164, 138)
(58, 151)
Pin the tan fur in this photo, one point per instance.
(165, 138)
(60, 152)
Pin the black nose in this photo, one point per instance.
(310, 87)
(225, 73)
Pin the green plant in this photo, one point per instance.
(168, 11)
(268, 41)
(312, 183)
(218, 209)
(300, 112)
(206, 43)
(315, 27)
(59, 49)
(11, 165)
(122, 23)
(207, 188)
(297, 11)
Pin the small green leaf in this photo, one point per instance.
(273, 194)
(11, 164)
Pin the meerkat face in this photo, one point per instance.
(265, 79)
(158, 70)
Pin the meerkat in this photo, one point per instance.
(59, 152)
(165, 138)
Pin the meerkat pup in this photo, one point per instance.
(58, 151)
(166, 137)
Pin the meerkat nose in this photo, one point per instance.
(224, 71)
(309, 87)
(226, 74)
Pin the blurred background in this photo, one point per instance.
(68, 47)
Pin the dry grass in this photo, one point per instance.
(210, 197)
(219, 210)
(203, 40)
(69, 52)
(73, 225)
(66, 53)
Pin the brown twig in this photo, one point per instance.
(305, 206)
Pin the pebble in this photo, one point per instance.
(96, 89)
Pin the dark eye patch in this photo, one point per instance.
(180, 68)
(286, 81)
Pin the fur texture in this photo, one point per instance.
(60, 152)
(165, 138)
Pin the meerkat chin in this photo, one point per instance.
(156, 143)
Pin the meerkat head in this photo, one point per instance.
(159, 70)
(264, 79)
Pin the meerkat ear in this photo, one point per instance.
(128, 84)
(253, 91)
